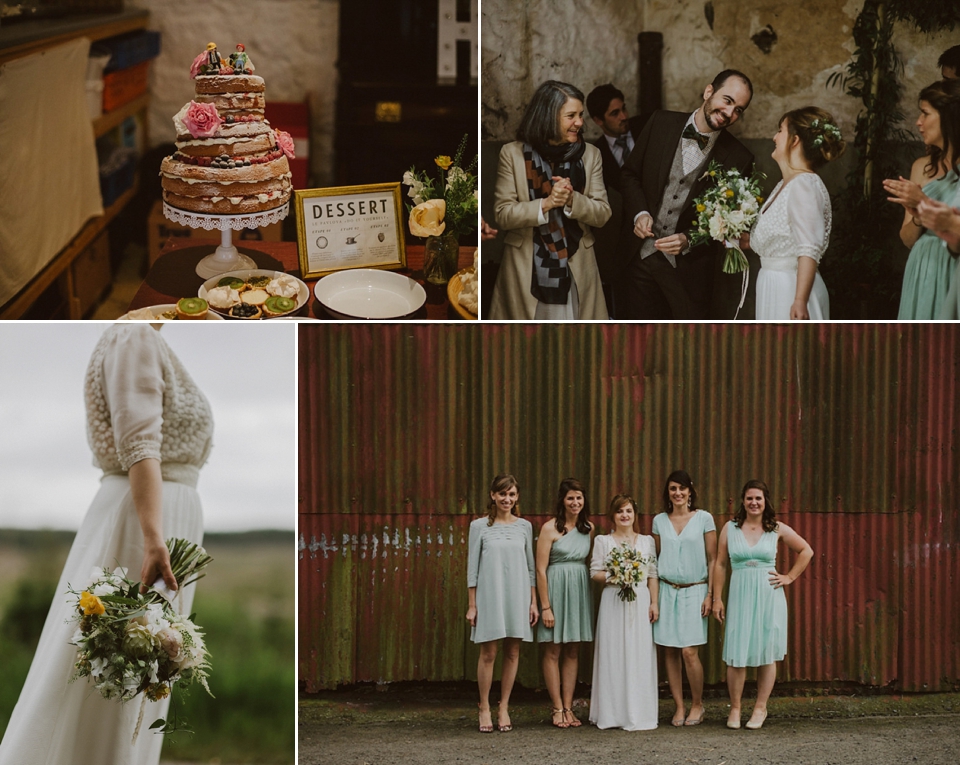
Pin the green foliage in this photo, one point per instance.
(23, 618)
(926, 15)
(455, 184)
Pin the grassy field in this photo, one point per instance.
(246, 606)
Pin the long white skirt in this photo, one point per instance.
(624, 691)
(776, 290)
(57, 722)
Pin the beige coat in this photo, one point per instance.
(517, 214)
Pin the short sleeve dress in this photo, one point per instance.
(141, 403)
(500, 565)
(568, 585)
(756, 618)
(683, 560)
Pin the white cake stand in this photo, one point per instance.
(225, 257)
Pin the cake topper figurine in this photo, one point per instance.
(240, 61)
(209, 62)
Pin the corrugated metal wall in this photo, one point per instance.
(854, 427)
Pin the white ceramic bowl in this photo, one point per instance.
(369, 293)
(157, 310)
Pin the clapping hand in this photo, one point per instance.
(942, 219)
(562, 193)
(904, 192)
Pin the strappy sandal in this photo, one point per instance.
(503, 728)
(574, 723)
(563, 720)
(485, 728)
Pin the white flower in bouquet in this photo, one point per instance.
(626, 567)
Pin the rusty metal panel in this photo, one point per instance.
(854, 427)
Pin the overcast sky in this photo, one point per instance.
(246, 369)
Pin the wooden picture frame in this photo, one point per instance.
(345, 227)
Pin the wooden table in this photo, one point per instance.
(173, 275)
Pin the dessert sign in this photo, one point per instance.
(350, 227)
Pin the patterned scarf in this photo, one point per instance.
(555, 242)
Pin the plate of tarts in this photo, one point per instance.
(168, 312)
(254, 293)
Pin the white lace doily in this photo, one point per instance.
(221, 222)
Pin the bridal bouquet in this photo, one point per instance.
(626, 568)
(726, 210)
(132, 643)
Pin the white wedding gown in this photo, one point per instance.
(140, 403)
(794, 224)
(624, 690)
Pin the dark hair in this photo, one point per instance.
(541, 120)
(500, 483)
(560, 511)
(726, 74)
(950, 57)
(769, 520)
(683, 478)
(818, 132)
(619, 501)
(598, 100)
(944, 96)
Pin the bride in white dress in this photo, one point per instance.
(793, 229)
(624, 691)
(150, 430)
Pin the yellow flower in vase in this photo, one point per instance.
(443, 161)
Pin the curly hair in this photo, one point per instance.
(820, 138)
(769, 520)
(683, 478)
(560, 511)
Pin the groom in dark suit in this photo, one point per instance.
(666, 278)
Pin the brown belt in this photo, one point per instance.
(680, 586)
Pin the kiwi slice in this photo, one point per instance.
(192, 305)
(279, 304)
(232, 282)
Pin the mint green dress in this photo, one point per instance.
(500, 565)
(683, 560)
(951, 307)
(930, 268)
(756, 619)
(568, 586)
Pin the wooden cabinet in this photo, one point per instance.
(79, 272)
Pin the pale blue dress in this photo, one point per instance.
(568, 587)
(756, 618)
(930, 267)
(500, 565)
(951, 307)
(683, 560)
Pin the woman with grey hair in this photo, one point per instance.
(549, 194)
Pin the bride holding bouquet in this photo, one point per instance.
(624, 692)
(150, 428)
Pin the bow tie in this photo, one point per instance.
(692, 133)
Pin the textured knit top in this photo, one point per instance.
(141, 403)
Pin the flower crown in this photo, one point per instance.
(825, 127)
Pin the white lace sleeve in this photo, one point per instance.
(600, 550)
(807, 213)
(648, 547)
(133, 387)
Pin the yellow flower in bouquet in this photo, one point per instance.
(443, 162)
(91, 604)
(427, 219)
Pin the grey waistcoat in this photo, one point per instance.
(675, 197)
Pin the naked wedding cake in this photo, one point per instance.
(229, 161)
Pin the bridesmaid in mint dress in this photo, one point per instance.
(502, 594)
(930, 267)
(686, 541)
(566, 607)
(756, 619)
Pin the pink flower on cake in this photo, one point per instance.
(202, 120)
(197, 63)
(285, 142)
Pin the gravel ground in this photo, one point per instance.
(408, 728)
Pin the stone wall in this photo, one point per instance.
(789, 49)
(292, 43)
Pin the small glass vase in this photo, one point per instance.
(440, 258)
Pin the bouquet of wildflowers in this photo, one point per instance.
(446, 202)
(726, 210)
(131, 643)
(626, 567)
